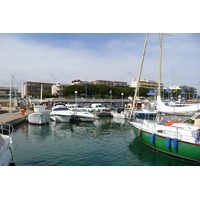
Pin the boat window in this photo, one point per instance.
(189, 121)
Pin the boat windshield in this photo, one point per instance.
(82, 110)
(100, 106)
(61, 109)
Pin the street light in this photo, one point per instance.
(122, 100)
(76, 96)
(11, 82)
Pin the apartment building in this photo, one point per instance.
(119, 84)
(33, 89)
(145, 83)
(58, 89)
(5, 92)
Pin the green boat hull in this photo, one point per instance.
(170, 146)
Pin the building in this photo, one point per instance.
(79, 82)
(5, 96)
(58, 89)
(145, 83)
(119, 84)
(5, 92)
(33, 89)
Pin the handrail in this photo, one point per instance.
(6, 128)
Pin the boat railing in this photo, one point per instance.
(181, 133)
(6, 129)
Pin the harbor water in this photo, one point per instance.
(105, 142)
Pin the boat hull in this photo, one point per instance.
(170, 146)
(6, 151)
(39, 118)
(61, 118)
(120, 115)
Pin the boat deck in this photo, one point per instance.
(186, 134)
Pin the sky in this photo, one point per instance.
(98, 40)
(64, 57)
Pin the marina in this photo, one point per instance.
(107, 141)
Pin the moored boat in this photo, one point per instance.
(6, 145)
(178, 139)
(124, 114)
(40, 116)
(145, 113)
(60, 113)
(82, 114)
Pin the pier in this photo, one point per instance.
(13, 119)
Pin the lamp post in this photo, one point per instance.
(11, 82)
(76, 97)
(122, 100)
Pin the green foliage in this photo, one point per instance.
(47, 94)
(101, 91)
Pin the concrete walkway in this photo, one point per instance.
(13, 118)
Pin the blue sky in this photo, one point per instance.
(91, 40)
(61, 58)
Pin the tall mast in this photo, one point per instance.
(41, 91)
(139, 74)
(160, 66)
(158, 117)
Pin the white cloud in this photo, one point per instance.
(38, 62)
(116, 59)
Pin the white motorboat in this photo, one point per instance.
(145, 113)
(60, 113)
(82, 114)
(125, 114)
(40, 116)
(6, 145)
(72, 107)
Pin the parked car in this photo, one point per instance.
(98, 107)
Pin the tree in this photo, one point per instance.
(47, 94)
(102, 91)
(70, 90)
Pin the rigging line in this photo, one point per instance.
(197, 82)
(169, 70)
(155, 60)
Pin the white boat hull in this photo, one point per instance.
(61, 114)
(61, 118)
(83, 115)
(6, 149)
(121, 115)
(39, 118)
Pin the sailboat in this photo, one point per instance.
(178, 139)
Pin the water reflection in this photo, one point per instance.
(37, 133)
(105, 142)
